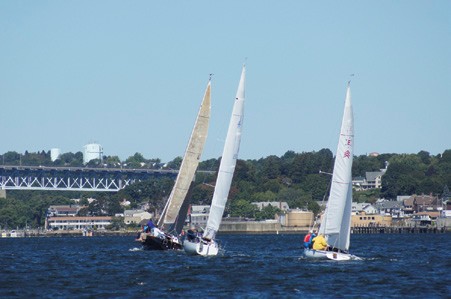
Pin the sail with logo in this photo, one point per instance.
(336, 222)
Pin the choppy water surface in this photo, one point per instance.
(251, 266)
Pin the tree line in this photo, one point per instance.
(294, 178)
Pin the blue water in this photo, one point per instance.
(251, 266)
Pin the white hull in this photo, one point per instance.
(315, 254)
(201, 247)
(331, 255)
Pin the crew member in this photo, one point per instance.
(319, 243)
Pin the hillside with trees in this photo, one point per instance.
(294, 178)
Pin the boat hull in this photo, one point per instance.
(150, 242)
(331, 255)
(201, 247)
(315, 254)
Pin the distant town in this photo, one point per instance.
(269, 195)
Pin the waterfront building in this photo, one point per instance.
(297, 218)
(281, 205)
(198, 215)
(77, 223)
(366, 220)
(421, 203)
(424, 218)
(390, 208)
(358, 207)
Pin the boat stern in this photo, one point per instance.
(201, 247)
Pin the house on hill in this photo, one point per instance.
(63, 210)
(136, 216)
(372, 180)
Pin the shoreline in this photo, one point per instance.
(281, 231)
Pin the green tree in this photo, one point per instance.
(268, 212)
(266, 196)
(175, 164)
(369, 196)
(135, 161)
(117, 223)
(112, 161)
(243, 208)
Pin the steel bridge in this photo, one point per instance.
(75, 178)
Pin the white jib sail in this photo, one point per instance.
(336, 224)
(228, 162)
(190, 162)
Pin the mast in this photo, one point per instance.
(337, 219)
(189, 163)
(228, 162)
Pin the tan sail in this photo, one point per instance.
(190, 162)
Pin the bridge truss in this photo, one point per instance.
(74, 178)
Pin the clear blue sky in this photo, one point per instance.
(130, 75)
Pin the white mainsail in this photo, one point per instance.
(189, 163)
(336, 224)
(228, 162)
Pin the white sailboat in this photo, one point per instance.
(167, 237)
(207, 245)
(336, 223)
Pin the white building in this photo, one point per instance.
(92, 151)
(198, 215)
(136, 216)
(368, 208)
(77, 223)
(281, 205)
(63, 210)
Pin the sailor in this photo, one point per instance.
(314, 234)
(150, 224)
(319, 243)
(192, 233)
(308, 239)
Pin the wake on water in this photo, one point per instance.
(135, 249)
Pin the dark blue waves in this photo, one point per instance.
(251, 266)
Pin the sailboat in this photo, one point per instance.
(206, 245)
(336, 222)
(166, 234)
